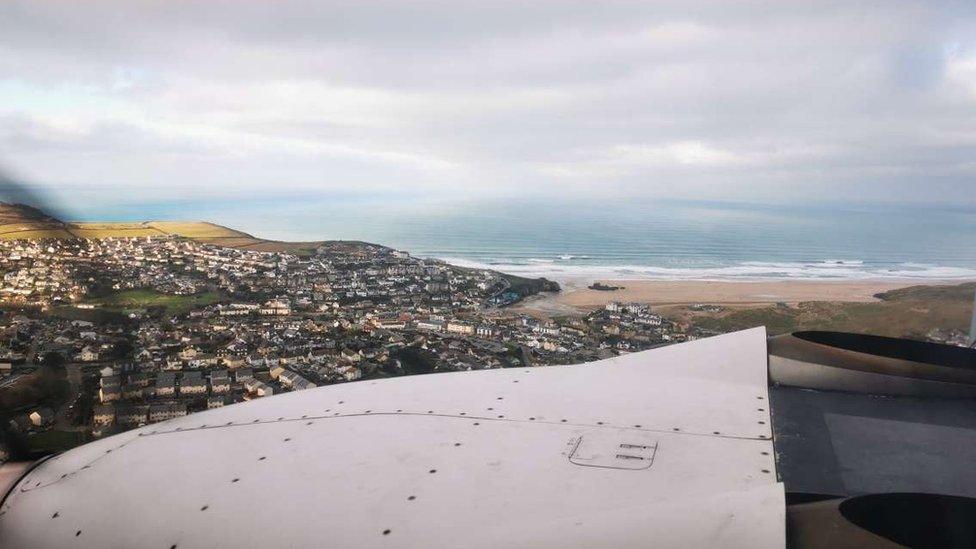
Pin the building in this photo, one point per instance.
(219, 382)
(88, 354)
(430, 325)
(109, 393)
(41, 417)
(193, 385)
(104, 414)
(163, 411)
(295, 382)
(243, 374)
(256, 388)
(166, 384)
(132, 415)
(460, 328)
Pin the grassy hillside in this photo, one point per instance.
(24, 222)
(908, 312)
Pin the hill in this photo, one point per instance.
(18, 221)
(916, 312)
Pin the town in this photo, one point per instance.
(105, 335)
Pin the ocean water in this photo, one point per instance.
(623, 239)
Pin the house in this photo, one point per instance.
(132, 415)
(109, 393)
(41, 417)
(193, 385)
(294, 381)
(88, 354)
(351, 373)
(257, 388)
(166, 410)
(275, 307)
(104, 414)
(215, 402)
(219, 382)
(243, 374)
(166, 384)
(132, 391)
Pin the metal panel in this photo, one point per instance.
(475, 460)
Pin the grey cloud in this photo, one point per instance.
(871, 99)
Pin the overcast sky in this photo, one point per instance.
(141, 101)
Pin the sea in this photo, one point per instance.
(654, 239)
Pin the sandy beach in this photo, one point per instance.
(577, 297)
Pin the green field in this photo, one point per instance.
(144, 299)
(54, 441)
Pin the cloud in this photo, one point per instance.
(749, 100)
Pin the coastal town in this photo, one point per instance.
(109, 334)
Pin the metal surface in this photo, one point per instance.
(851, 444)
(476, 459)
(873, 365)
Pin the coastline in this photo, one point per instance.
(576, 298)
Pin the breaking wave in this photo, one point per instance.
(745, 271)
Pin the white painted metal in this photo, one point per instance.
(477, 459)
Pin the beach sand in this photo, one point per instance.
(577, 298)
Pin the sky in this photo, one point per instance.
(138, 101)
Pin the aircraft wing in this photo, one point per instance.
(670, 448)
